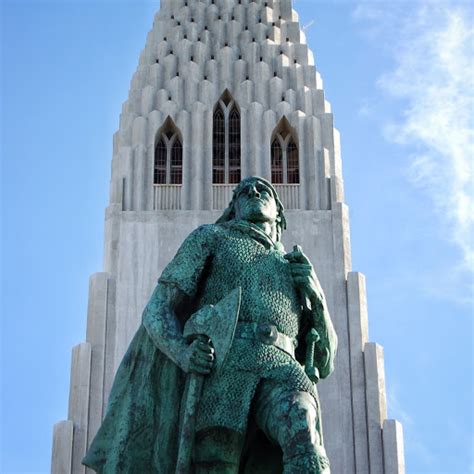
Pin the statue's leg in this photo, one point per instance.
(217, 451)
(290, 418)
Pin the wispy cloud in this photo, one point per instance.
(433, 76)
(308, 25)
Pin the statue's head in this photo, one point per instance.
(256, 200)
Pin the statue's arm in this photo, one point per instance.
(326, 346)
(164, 328)
(315, 310)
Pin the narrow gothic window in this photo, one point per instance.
(277, 162)
(234, 146)
(218, 148)
(284, 156)
(176, 166)
(160, 162)
(168, 167)
(226, 142)
(293, 172)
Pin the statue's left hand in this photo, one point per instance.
(304, 276)
(199, 357)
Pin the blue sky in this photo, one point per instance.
(399, 76)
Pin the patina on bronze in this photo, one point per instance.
(211, 323)
(260, 412)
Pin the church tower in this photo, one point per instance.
(227, 89)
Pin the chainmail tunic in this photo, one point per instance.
(213, 261)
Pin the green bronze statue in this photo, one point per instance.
(223, 368)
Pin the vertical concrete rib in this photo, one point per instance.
(269, 123)
(96, 337)
(254, 132)
(341, 236)
(61, 462)
(139, 185)
(313, 158)
(358, 336)
(304, 159)
(244, 142)
(327, 134)
(337, 155)
(206, 160)
(376, 404)
(79, 402)
(336, 190)
(148, 194)
(393, 449)
(342, 264)
(197, 157)
(110, 341)
(326, 202)
(185, 128)
(127, 178)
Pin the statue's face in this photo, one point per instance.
(255, 203)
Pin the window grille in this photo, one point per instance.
(168, 167)
(293, 165)
(284, 156)
(277, 162)
(226, 167)
(234, 146)
(218, 146)
(176, 171)
(160, 163)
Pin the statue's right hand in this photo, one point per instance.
(199, 357)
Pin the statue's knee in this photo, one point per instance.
(217, 450)
(299, 435)
(304, 405)
(303, 450)
(303, 415)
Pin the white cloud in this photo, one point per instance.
(433, 77)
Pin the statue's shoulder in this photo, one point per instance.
(208, 232)
(211, 228)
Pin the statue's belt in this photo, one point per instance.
(268, 334)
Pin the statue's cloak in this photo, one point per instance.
(140, 431)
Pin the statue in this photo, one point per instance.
(258, 409)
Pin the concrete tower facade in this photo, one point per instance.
(227, 89)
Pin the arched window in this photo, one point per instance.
(168, 167)
(284, 155)
(226, 141)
